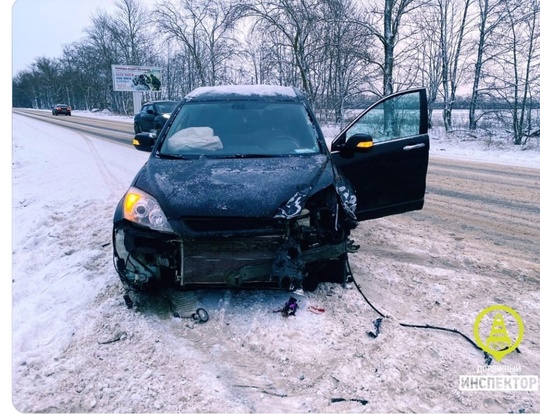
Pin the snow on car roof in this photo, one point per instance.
(236, 91)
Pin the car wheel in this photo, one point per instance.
(69, 114)
(137, 128)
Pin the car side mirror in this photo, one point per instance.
(150, 111)
(144, 141)
(356, 143)
(359, 143)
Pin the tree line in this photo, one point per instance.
(341, 53)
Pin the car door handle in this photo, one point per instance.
(411, 147)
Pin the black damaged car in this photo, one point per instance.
(241, 190)
(152, 116)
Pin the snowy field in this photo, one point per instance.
(64, 189)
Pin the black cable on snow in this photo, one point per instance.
(487, 357)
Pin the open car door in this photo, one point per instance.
(384, 154)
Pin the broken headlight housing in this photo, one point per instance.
(143, 209)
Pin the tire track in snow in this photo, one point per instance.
(114, 185)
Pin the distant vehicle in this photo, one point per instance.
(240, 189)
(153, 116)
(61, 109)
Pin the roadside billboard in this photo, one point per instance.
(136, 78)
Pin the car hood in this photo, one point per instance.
(239, 187)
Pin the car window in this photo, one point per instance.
(241, 128)
(165, 107)
(145, 108)
(394, 118)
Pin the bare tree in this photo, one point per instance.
(122, 37)
(295, 23)
(340, 71)
(258, 53)
(488, 21)
(454, 26)
(131, 31)
(386, 24)
(204, 29)
(515, 69)
(317, 46)
(428, 55)
(24, 90)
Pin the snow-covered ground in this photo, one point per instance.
(64, 189)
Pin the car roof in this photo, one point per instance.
(153, 102)
(245, 92)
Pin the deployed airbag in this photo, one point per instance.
(194, 138)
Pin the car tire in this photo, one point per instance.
(68, 114)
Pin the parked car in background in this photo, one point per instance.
(241, 189)
(153, 116)
(61, 109)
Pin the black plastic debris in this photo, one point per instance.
(290, 308)
(338, 399)
(487, 358)
(128, 301)
(377, 323)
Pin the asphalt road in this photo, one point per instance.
(497, 204)
(111, 130)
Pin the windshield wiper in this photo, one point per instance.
(214, 156)
(172, 156)
(255, 155)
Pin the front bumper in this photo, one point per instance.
(253, 256)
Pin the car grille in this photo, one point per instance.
(229, 261)
(233, 226)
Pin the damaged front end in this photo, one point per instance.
(303, 244)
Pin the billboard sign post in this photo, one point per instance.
(136, 79)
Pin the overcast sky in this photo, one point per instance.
(41, 27)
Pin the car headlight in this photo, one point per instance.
(143, 209)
